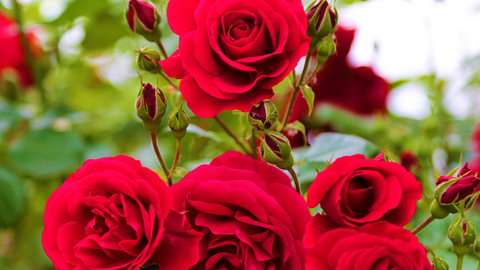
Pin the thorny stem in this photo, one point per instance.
(153, 136)
(297, 88)
(177, 157)
(422, 225)
(230, 132)
(162, 73)
(295, 180)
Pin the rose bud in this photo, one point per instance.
(151, 106)
(462, 233)
(147, 59)
(178, 122)
(325, 49)
(296, 134)
(437, 211)
(452, 190)
(263, 115)
(322, 21)
(275, 149)
(409, 160)
(439, 263)
(476, 247)
(143, 19)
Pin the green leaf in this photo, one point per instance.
(309, 96)
(9, 117)
(11, 198)
(180, 172)
(79, 8)
(103, 32)
(45, 153)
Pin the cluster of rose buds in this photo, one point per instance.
(322, 23)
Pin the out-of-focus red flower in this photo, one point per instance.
(409, 160)
(359, 90)
(12, 52)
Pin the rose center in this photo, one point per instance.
(360, 196)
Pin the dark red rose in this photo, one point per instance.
(378, 245)
(354, 191)
(115, 214)
(248, 212)
(409, 160)
(141, 12)
(359, 90)
(13, 54)
(461, 188)
(231, 53)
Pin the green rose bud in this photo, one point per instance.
(147, 59)
(263, 115)
(438, 211)
(178, 122)
(325, 49)
(462, 233)
(150, 106)
(275, 148)
(476, 248)
(439, 263)
(322, 21)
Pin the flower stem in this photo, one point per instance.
(298, 188)
(164, 76)
(230, 132)
(28, 53)
(297, 88)
(177, 157)
(253, 144)
(153, 137)
(162, 49)
(422, 226)
(460, 262)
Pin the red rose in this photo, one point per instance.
(354, 191)
(13, 55)
(231, 53)
(378, 245)
(248, 212)
(115, 214)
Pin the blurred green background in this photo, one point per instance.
(89, 78)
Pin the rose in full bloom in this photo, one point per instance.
(115, 214)
(13, 55)
(354, 191)
(356, 89)
(378, 245)
(231, 52)
(248, 212)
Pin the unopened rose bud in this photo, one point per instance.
(325, 48)
(151, 106)
(476, 248)
(462, 233)
(451, 190)
(143, 19)
(437, 211)
(147, 59)
(409, 160)
(296, 134)
(276, 149)
(178, 122)
(322, 21)
(439, 263)
(263, 115)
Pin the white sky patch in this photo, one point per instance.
(409, 100)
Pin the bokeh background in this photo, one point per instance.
(411, 78)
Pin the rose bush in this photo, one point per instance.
(115, 214)
(231, 52)
(13, 54)
(248, 212)
(379, 245)
(354, 190)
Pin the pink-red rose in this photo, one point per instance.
(13, 54)
(115, 214)
(354, 191)
(232, 52)
(248, 212)
(379, 245)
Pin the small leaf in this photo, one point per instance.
(162, 175)
(180, 172)
(309, 97)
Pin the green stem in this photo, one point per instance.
(230, 132)
(177, 157)
(164, 76)
(423, 225)
(297, 88)
(28, 53)
(298, 188)
(153, 137)
(460, 262)
(478, 265)
(162, 49)
(253, 144)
